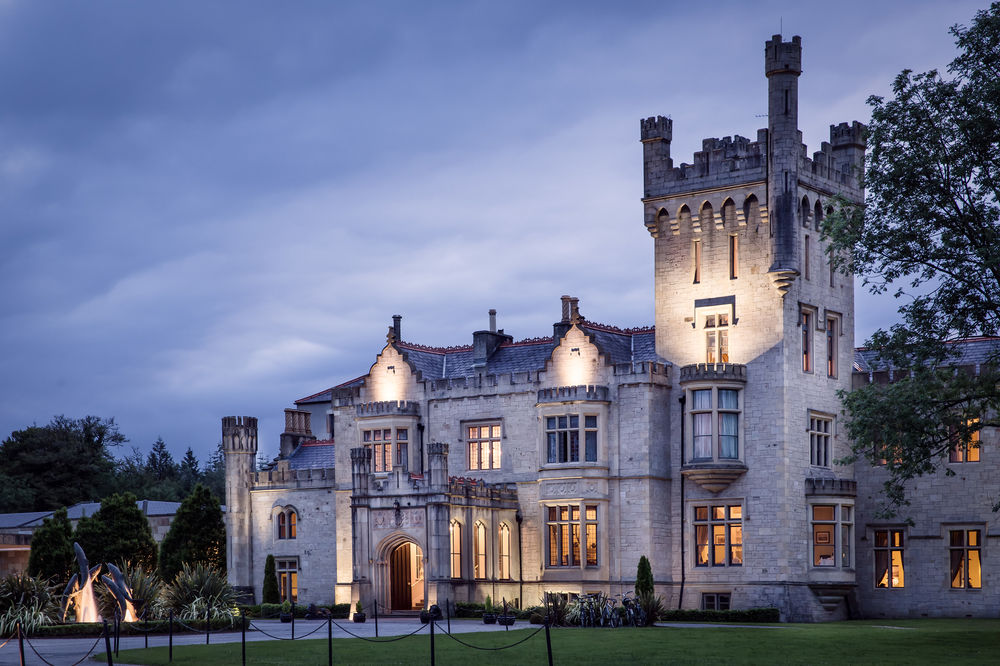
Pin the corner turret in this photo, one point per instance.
(239, 445)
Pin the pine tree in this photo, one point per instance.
(643, 577)
(52, 553)
(118, 532)
(197, 535)
(270, 593)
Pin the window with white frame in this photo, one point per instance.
(718, 535)
(567, 525)
(566, 434)
(287, 571)
(715, 423)
(455, 536)
(717, 338)
(484, 446)
(965, 551)
(832, 530)
(820, 437)
(888, 551)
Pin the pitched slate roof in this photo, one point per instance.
(29, 519)
(971, 351)
(312, 454)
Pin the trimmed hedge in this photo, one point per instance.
(271, 611)
(94, 629)
(735, 616)
(468, 609)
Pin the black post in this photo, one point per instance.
(329, 641)
(20, 642)
(170, 633)
(145, 633)
(293, 620)
(208, 623)
(447, 607)
(432, 640)
(548, 641)
(107, 644)
(375, 606)
(243, 639)
(118, 631)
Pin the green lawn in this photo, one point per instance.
(840, 643)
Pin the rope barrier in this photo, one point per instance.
(44, 660)
(283, 638)
(383, 640)
(490, 649)
(89, 652)
(5, 642)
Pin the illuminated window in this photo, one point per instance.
(288, 579)
(889, 558)
(831, 346)
(382, 444)
(565, 529)
(832, 527)
(696, 252)
(287, 521)
(563, 435)
(820, 428)
(712, 406)
(806, 324)
(455, 534)
(479, 550)
(966, 452)
(715, 601)
(964, 548)
(718, 535)
(734, 257)
(717, 338)
(503, 546)
(484, 446)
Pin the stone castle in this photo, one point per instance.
(708, 442)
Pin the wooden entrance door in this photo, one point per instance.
(399, 567)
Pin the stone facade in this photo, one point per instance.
(708, 442)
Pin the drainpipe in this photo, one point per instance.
(519, 517)
(680, 597)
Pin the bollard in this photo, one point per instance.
(548, 641)
(170, 633)
(107, 644)
(243, 639)
(432, 641)
(208, 624)
(293, 620)
(447, 608)
(145, 633)
(20, 642)
(329, 641)
(375, 606)
(118, 632)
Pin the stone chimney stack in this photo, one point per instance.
(484, 343)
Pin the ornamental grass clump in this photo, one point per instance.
(198, 591)
(28, 600)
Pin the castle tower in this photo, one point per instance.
(782, 66)
(239, 445)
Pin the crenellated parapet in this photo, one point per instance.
(721, 163)
(281, 476)
(388, 408)
(832, 487)
(467, 491)
(574, 394)
(239, 434)
(714, 372)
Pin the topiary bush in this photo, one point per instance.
(270, 593)
(643, 577)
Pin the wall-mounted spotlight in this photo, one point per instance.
(392, 368)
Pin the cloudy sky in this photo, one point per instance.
(214, 208)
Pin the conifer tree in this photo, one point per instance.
(52, 553)
(270, 593)
(118, 532)
(643, 577)
(197, 535)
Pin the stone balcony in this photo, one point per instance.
(712, 475)
(714, 372)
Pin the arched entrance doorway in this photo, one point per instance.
(406, 577)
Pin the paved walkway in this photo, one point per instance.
(65, 651)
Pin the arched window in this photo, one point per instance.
(751, 211)
(662, 221)
(729, 214)
(818, 215)
(804, 213)
(455, 532)
(706, 216)
(479, 551)
(287, 520)
(684, 217)
(503, 570)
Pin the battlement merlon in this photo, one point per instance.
(781, 57)
(656, 128)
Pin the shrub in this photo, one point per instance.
(339, 611)
(28, 600)
(743, 615)
(652, 605)
(270, 610)
(643, 577)
(270, 594)
(200, 590)
(558, 609)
